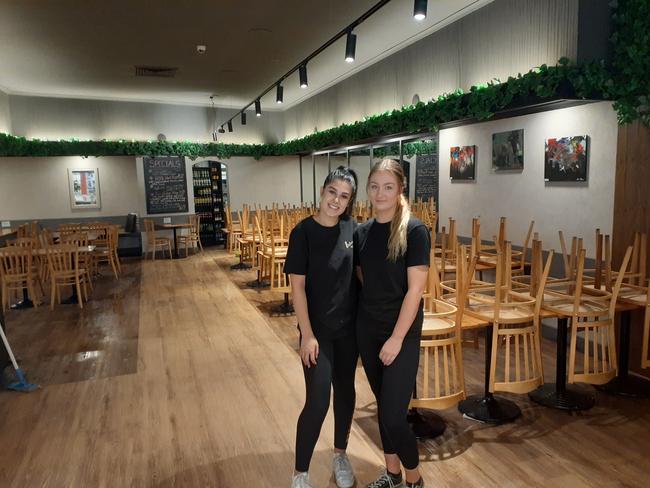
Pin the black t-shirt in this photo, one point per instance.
(324, 255)
(385, 283)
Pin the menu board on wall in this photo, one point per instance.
(426, 177)
(165, 185)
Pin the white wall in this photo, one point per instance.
(64, 118)
(267, 181)
(503, 38)
(5, 113)
(37, 188)
(576, 208)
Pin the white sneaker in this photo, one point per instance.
(301, 480)
(342, 470)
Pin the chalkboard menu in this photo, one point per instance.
(165, 185)
(426, 177)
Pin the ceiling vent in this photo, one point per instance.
(156, 71)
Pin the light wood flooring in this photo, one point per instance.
(176, 376)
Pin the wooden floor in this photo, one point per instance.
(176, 376)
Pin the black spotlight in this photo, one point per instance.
(221, 130)
(230, 126)
(420, 9)
(279, 94)
(302, 71)
(350, 47)
(243, 118)
(258, 108)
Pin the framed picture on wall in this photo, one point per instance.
(462, 164)
(508, 150)
(84, 188)
(565, 159)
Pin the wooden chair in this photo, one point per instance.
(519, 339)
(154, 242)
(443, 379)
(63, 261)
(16, 272)
(86, 260)
(591, 312)
(192, 237)
(281, 283)
(645, 357)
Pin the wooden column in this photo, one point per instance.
(632, 209)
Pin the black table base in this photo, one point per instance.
(489, 409)
(626, 385)
(571, 398)
(427, 426)
(285, 308)
(559, 395)
(24, 303)
(258, 284)
(241, 265)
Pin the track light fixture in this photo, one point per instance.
(350, 47)
(279, 94)
(302, 71)
(420, 9)
(350, 53)
(243, 118)
(221, 130)
(230, 125)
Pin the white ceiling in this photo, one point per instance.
(88, 48)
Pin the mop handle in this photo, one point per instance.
(4, 339)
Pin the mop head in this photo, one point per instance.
(21, 384)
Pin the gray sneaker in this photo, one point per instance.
(342, 470)
(385, 481)
(301, 480)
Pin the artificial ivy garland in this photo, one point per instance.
(627, 82)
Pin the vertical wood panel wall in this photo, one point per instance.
(631, 208)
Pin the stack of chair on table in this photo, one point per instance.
(36, 258)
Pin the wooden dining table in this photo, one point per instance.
(26, 302)
(173, 228)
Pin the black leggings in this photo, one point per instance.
(335, 367)
(393, 387)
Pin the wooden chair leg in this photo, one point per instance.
(52, 294)
(80, 299)
(110, 258)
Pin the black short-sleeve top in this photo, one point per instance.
(385, 283)
(324, 255)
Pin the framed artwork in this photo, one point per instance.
(462, 163)
(508, 150)
(565, 159)
(84, 188)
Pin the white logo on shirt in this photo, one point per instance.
(348, 245)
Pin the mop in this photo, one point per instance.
(21, 384)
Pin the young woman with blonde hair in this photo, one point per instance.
(392, 262)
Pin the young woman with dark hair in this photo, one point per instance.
(392, 262)
(320, 265)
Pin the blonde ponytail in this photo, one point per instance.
(399, 230)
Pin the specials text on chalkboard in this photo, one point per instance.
(165, 185)
(426, 177)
